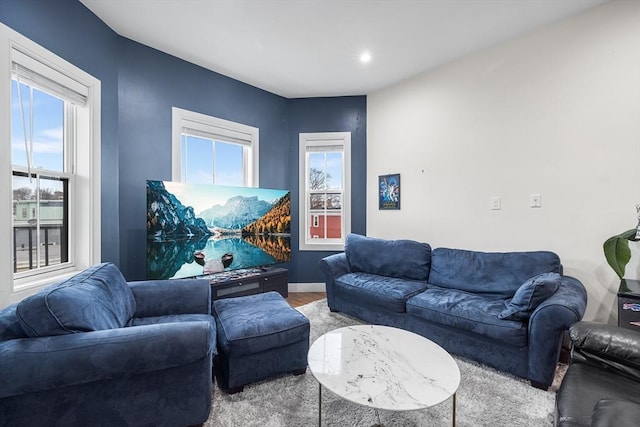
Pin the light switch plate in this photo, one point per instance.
(495, 203)
(536, 201)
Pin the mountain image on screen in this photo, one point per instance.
(237, 213)
(194, 230)
(167, 216)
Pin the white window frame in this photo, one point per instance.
(84, 199)
(307, 140)
(219, 130)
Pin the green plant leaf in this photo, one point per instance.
(617, 252)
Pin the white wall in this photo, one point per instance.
(556, 112)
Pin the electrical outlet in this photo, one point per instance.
(536, 201)
(495, 203)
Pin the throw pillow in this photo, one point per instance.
(97, 298)
(529, 295)
(404, 259)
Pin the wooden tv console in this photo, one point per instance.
(249, 281)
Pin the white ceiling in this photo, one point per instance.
(311, 48)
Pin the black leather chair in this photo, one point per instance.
(602, 384)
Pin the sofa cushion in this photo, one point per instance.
(529, 295)
(469, 312)
(10, 328)
(177, 318)
(583, 386)
(618, 413)
(388, 293)
(405, 259)
(98, 298)
(494, 274)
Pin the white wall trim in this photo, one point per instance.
(323, 139)
(307, 287)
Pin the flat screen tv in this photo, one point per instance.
(198, 229)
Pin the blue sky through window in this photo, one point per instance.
(199, 164)
(48, 120)
(331, 164)
(47, 113)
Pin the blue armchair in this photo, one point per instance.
(97, 350)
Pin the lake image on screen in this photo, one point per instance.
(195, 229)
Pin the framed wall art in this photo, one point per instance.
(389, 192)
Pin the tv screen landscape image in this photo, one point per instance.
(199, 229)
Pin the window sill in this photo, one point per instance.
(335, 247)
(26, 286)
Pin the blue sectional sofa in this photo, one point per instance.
(97, 350)
(506, 310)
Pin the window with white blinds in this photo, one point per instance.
(50, 152)
(209, 150)
(325, 217)
(32, 72)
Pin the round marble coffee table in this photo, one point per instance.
(383, 368)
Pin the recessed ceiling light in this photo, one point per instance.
(365, 57)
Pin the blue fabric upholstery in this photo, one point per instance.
(234, 372)
(132, 401)
(459, 308)
(163, 297)
(548, 323)
(255, 323)
(389, 293)
(154, 371)
(529, 295)
(259, 336)
(10, 328)
(465, 311)
(492, 273)
(96, 299)
(333, 267)
(33, 365)
(405, 259)
(507, 358)
(179, 318)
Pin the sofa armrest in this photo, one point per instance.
(547, 324)
(335, 265)
(172, 296)
(332, 267)
(602, 338)
(606, 346)
(571, 295)
(36, 364)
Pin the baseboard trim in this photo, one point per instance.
(307, 287)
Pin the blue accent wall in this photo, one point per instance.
(73, 32)
(340, 114)
(150, 83)
(139, 87)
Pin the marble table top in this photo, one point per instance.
(383, 367)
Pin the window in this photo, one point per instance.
(325, 190)
(50, 150)
(208, 150)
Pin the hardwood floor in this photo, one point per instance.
(296, 299)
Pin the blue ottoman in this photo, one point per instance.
(259, 336)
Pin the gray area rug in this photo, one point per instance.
(485, 397)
